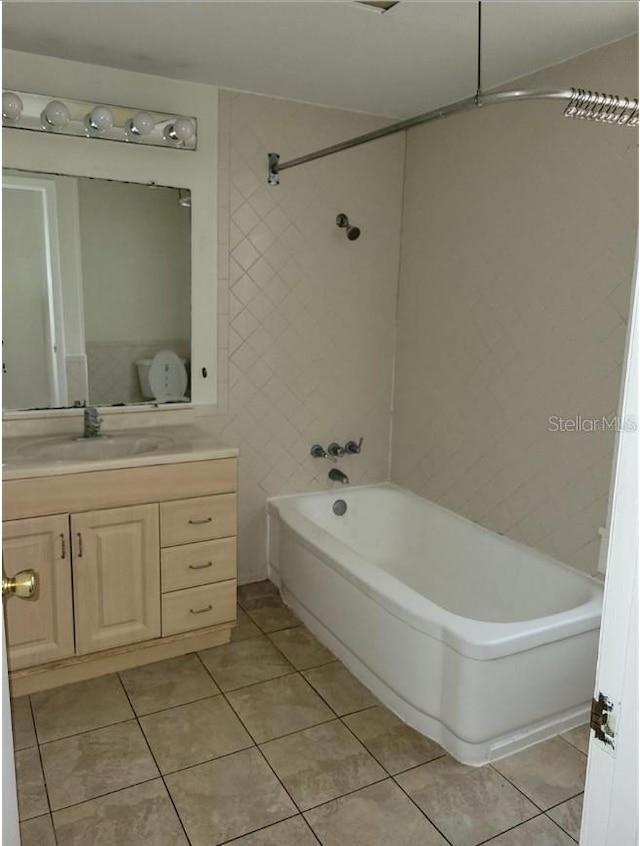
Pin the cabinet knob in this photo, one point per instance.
(23, 584)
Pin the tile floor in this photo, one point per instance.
(269, 741)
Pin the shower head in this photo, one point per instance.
(353, 232)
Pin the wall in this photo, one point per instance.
(518, 240)
(306, 317)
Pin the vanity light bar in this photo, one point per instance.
(41, 113)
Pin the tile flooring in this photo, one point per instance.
(269, 741)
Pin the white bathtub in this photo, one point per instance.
(477, 641)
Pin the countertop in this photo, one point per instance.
(176, 444)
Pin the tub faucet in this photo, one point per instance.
(91, 422)
(338, 476)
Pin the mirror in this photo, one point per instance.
(96, 292)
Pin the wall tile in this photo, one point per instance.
(502, 323)
(309, 318)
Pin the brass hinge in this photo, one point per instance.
(602, 721)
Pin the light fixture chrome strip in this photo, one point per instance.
(587, 105)
(63, 116)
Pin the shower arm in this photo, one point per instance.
(583, 104)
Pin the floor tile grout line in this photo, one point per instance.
(507, 779)
(264, 757)
(542, 810)
(87, 731)
(266, 681)
(271, 825)
(179, 705)
(44, 778)
(573, 744)
(568, 799)
(299, 669)
(344, 795)
(153, 757)
(106, 793)
(424, 814)
(393, 780)
(373, 754)
(493, 837)
(295, 804)
(551, 819)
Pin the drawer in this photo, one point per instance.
(198, 564)
(198, 607)
(191, 520)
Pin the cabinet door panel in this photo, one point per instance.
(116, 569)
(39, 630)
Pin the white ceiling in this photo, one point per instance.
(413, 58)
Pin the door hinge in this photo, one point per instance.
(603, 720)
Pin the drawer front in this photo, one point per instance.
(191, 520)
(196, 608)
(198, 564)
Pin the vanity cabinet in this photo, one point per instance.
(141, 566)
(41, 629)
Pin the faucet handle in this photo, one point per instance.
(335, 450)
(353, 448)
(318, 451)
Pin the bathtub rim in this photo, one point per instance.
(476, 639)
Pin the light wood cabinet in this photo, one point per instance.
(122, 580)
(116, 577)
(39, 630)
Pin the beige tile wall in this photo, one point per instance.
(517, 251)
(306, 322)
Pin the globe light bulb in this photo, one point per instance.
(142, 124)
(182, 129)
(55, 115)
(100, 119)
(11, 106)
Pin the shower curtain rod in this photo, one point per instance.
(583, 104)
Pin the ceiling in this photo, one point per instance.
(417, 56)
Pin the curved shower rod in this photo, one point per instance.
(582, 104)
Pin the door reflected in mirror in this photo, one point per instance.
(96, 292)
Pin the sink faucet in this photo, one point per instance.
(338, 476)
(91, 422)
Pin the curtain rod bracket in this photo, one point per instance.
(274, 170)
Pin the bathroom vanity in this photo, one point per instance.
(132, 537)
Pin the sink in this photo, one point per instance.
(103, 448)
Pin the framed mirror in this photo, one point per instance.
(96, 293)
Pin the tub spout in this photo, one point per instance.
(338, 476)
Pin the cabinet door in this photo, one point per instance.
(116, 577)
(39, 630)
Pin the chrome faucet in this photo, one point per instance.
(337, 475)
(91, 422)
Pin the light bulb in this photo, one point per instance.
(182, 129)
(100, 119)
(11, 106)
(142, 124)
(55, 115)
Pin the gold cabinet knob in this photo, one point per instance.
(23, 584)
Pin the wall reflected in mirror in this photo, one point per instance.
(96, 292)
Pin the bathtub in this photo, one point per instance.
(478, 642)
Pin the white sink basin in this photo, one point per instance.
(102, 448)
